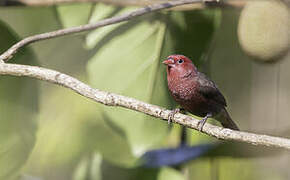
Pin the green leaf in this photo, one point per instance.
(18, 108)
(27, 177)
(239, 168)
(192, 32)
(70, 128)
(100, 12)
(89, 168)
(241, 150)
(61, 134)
(112, 172)
(127, 71)
(128, 62)
(55, 53)
(74, 14)
(103, 136)
(170, 174)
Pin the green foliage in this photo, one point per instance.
(18, 109)
(68, 16)
(89, 168)
(78, 139)
(170, 174)
(128, 61)
(62, 126)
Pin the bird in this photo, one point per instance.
(195, 92)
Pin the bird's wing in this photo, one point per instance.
(209, 90)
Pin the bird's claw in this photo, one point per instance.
(201, 123)
(171, 115)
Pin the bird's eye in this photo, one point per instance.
(180, 61)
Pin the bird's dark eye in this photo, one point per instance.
(180, 61)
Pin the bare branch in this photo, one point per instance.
(237, 3)
(111, 99)
(8, 54)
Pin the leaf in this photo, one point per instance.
(103, 137)
(100, 12)
(241, 150)
(69, 125)
(128, 62)
(239, 168)
(74, 14)
(89, 168)
(27, 177)
(70, 128)
(18, 108)
(56, 53)
(133, 59)
(112, 172)
(192, 31)
(170, 174)
(61, 134)
(139, 86)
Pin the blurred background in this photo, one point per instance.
(49, 132)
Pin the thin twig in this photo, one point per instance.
(111, 99)
(8, 54)
(237, 3)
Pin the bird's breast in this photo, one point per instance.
(187, 95)
(182, 90)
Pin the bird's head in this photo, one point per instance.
(179, 65)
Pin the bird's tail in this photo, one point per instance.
(226, 120)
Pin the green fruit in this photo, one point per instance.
(263, 29)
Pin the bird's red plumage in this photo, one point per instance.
(194, 91)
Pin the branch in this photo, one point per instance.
(237, 3)
(8, 54)
(111, 99)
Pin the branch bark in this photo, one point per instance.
(112, 99)
(236, 3)
(8, 54)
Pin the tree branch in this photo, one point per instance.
(8, 54)
(111, 99)
(237, 3)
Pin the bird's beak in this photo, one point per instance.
(168, 62)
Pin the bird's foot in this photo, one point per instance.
(201, 123)
(172, 113)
